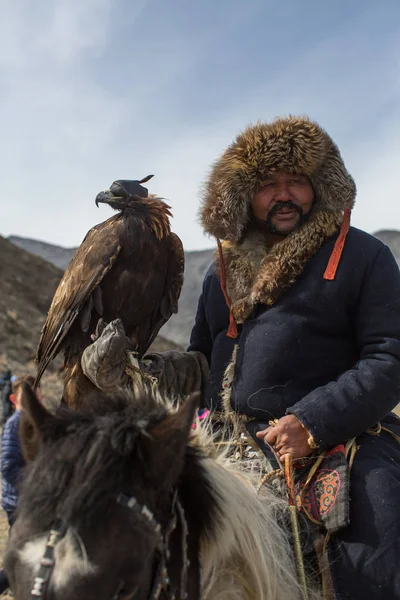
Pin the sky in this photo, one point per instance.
(97, 90)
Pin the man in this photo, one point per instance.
(299, 321)
(318, 319)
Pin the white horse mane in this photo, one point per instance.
(248, 555)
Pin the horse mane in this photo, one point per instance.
(244, 550)
(78, 470)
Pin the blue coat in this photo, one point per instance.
(11, 464)
(328, 352)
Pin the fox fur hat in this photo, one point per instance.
(292, 144)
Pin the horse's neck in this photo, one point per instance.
(246, 554)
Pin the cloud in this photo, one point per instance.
(96, 90)
(74, 27)
(356, 99)
(54, 117)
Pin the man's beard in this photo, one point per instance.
(268, 226)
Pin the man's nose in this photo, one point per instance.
(282, 192)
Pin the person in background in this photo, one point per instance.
(12, 461)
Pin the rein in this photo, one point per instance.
(161, 582)
(47, 561)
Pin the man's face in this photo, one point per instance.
(283, 202)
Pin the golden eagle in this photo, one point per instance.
(128, 267)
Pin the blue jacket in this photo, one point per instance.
(326, 351)
(11, 464)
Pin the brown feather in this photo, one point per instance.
(136, 265)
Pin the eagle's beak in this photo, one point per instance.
(103, 197)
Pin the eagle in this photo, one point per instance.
(128, 267)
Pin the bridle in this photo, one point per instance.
(161, 580)
(47, 562)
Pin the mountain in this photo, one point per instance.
(391, 238)
(179, 326)
(57, 255)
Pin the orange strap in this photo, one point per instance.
(232, 330)
(334, 260)
(289, 478)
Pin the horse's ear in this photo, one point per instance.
(175, 428)
(35, 418)
(171, 438)
(32, 406)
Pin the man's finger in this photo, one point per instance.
(271, 436)
(268, 435)
(283, 448)
(279, 445)
(284, 452)
(263, 433)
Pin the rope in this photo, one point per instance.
(350, 451)
(301, 573)
(268, 476)
(326, 575)
(132, 370)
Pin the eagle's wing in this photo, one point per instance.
(172, 290)
(174, 280)
(90, 263)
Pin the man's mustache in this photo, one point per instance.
(287, 205)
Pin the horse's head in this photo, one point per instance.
(100, 508)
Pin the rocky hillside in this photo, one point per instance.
(27, 285)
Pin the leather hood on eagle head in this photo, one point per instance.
(293, 144)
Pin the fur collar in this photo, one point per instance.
(256, 274)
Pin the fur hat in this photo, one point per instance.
(293, 144)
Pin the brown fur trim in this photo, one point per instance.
(256, 274)
(293, 144)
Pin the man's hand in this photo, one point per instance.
(288, 436)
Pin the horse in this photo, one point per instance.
(131, 503)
